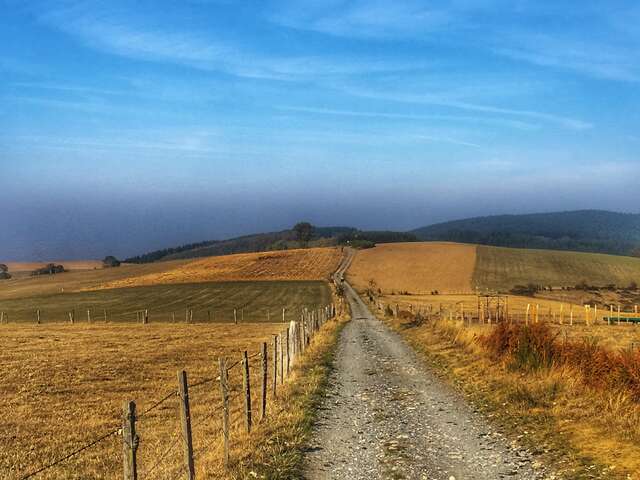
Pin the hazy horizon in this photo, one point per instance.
(132, 127)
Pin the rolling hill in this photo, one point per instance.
(423, 267)
(583, 231)
(271, 241)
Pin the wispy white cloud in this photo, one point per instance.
(520, 125)
(452, 141)
(597, 40)
(606, 61)
(443, 100)
(364, 18)
(109, 32)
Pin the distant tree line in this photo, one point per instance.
(583, 231)
(158, 254)
(301, 235)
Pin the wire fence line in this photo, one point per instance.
(262, 373)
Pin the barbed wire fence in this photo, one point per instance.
(255, 377)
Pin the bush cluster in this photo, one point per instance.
(536, 346)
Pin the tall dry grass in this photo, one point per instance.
(571, 400)
(537, 346)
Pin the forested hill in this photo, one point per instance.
(282, 240)
(584, 230)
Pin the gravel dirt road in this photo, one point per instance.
(387, 416)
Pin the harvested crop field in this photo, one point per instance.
(62, 386)
(415, 267)
(210, 302)
(501, 268)
(25, 285)
(302, 264)
(454, 268)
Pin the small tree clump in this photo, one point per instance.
(49, 269)
(4, 272)
(304, 232)
(110, 262)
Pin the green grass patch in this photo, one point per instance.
(215, 301)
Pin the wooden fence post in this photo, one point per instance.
(38, 316)
(185, 415)
(235, 316)
(283, 314)
(288, 352)
(275, 367)
(281, 359)
(263, 396)
(105, 315)
(89, 315)
(2, 317)
(130, 442)
(246, 383)
(225, 410)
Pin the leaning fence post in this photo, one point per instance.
(263, 396)
(185, 415)
(225, 410)
(246, 383)
(130, 441)
(275, 367)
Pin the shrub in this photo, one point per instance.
(528, 290)
(535, 346)
(49, 269)
(110, 262)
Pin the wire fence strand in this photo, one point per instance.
(71, 454)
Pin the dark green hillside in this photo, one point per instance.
(586, 230)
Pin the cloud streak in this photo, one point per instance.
(109, 33)
(442, 100)
(517, 124)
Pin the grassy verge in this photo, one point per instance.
(275, 450)
(581, 432)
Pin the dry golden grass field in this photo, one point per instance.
(302, 264)
(25, 286)
(614, 336)
(454, 268)
(62, 386)
(415, 267)
(71, 265)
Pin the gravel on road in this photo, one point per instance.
(386, 415)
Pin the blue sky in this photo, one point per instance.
(127, 126)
